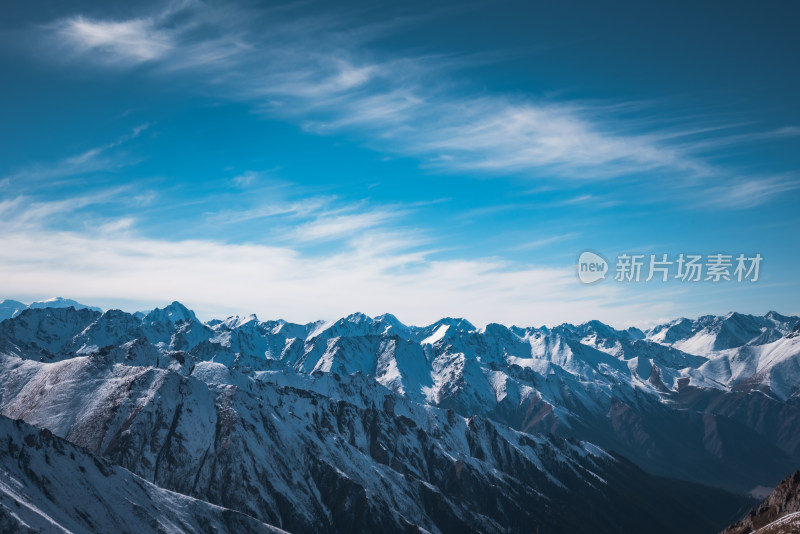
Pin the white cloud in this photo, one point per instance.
(245, 179)
(545, 241)
(91, 160)
(376, 267)
(132, 41)
(117, 226)
(295, 208)
(217, 278)
(747, 193)
(22, 211)
(330, 226)
(323, 74)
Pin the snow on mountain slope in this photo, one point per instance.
(588, 381)
(437, 335)
(60, 302)
(51, 485)
(331, 453)
(773, 367)
(45, 333)
(176, 327)
(55, 333)
(10, 308)
(787, 524)
(711, 333)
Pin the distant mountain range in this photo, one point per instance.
(366, 424)
(12, 308)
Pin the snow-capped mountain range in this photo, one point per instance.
(367, 424)
(12, 308)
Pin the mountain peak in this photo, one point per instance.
(635, 333)
(775, 316)
(235, 321)
(456, 322)
(10, 308)
(600, 328)
(61, 302)
(358, 318)
(388, 318)
(173, 313)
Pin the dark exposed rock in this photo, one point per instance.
(784, 501)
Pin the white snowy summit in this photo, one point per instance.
(12, 308)
(60, 302)
(366, 424)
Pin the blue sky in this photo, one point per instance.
(303, 161)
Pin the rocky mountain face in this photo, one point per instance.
(366, 424)
(778, 514)
(10, 308)
(51, 485)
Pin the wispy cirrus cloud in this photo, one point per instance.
(95, 159)
(323, 73)
(130, 41)
(747, 193)
(294, 208)
(27, 209)
(332, 226)
(322, 219)
(546, 241)
(245, 179)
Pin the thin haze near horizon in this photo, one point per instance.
(304, 162)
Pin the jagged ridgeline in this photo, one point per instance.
(778, 514)
(366, 424)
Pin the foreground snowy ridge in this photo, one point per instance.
(50, 485)
(367, 424)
